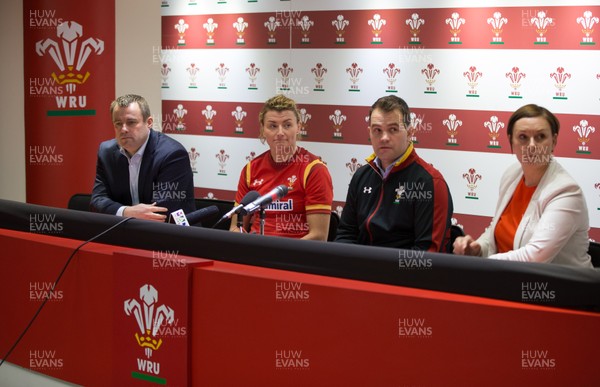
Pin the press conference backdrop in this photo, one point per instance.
(462, 68)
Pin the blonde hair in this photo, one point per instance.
(278, 103)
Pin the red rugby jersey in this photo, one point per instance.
(310, 191)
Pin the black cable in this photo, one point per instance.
(54, 287)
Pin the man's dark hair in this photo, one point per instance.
(390, 103)
(128, 99)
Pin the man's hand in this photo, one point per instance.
(466, 246)
(146, 211)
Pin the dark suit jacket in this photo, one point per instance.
(165, 176)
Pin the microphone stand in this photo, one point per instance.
(262, 220)
(240, 221)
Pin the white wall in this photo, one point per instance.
(138, 35)
(12, 133)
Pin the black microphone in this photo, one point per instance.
(276, 193)
(193, 217)
(248, 198)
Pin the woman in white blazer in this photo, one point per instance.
(541, 215)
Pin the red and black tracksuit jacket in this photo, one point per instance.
(410, 209)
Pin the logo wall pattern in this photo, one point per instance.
(462, 70)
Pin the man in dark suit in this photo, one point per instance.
(141, 173)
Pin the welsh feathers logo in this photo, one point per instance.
(494, 126)
(452, 123)
(192, 71)
(149, 317)
(399, 193)
(472, 77)
(291, 182)
(455, 22)
(181, 27)
(180, 112)
(430, 73)
(210, 26)
(222, 71)
(541, 22)
(354, 71)
(391, 72)
(285, 71)
(515, 77)
(472, 177)
(319, 71)
(238, 116)
(497, 22)
(304, 118)
(305, 25)
(560, 78)
(70, 55)
(587, 27)
(222, 158)
(376, 24)
(583, 131)
(353, 165)
(164, 75)
(73, 55)
(340, 25)
(415, 22)
(194, 156)
(240, 29)
(337, 118)
(271, 26)
(209, 115)
(252, 71)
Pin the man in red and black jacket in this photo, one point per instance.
(397, 199)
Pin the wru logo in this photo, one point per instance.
(73, 55)
(149, 317)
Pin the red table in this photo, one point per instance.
(232, 324)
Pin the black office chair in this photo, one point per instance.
(80, 202)
(594, 252)
(334, 221)
(223, 205)
(455, 232)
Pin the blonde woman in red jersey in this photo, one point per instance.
(306, 209)
(541, 214)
